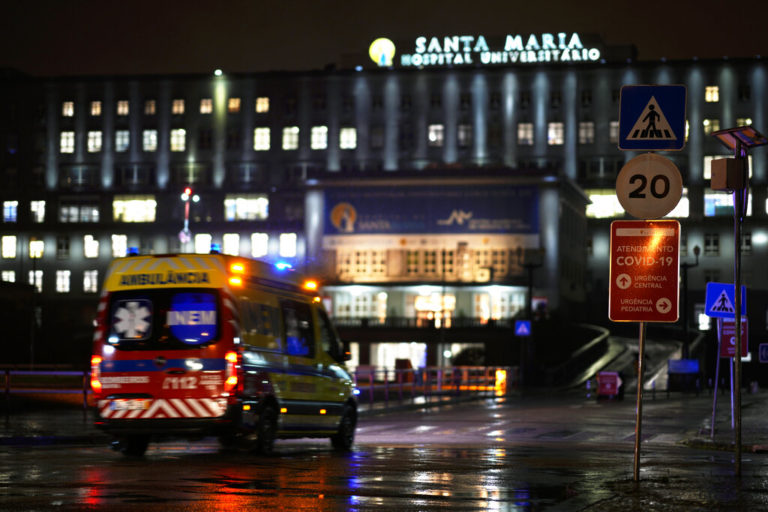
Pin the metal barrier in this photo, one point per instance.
(379, 384)
(9, 389)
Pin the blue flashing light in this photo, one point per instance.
(355, 391)
(215, 248)
(133, 251)
(283, 265)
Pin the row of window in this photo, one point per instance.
(63, 280)
(287, 245)
(138, 208)
(234, 104)
(262, 136)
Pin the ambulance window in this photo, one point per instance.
(299, 338)
(328, 339)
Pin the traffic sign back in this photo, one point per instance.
(652, 117)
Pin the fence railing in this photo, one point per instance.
(373, 384)
(33, 384)
(382, 385)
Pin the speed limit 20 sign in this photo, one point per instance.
(649, 186)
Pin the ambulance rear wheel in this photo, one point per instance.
(266, 430)
(134, 446)
(344, 437)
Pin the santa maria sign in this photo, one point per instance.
(461, 50)
(644, 271)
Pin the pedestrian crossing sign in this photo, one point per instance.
(720, 301)
(522, 327)
(652, 117)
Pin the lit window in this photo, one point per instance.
(555, 134)
(94, 141)
(586, 132)
(206, 106)
(36, 280)
(149, 140)
(78, 213)
(464, 135)
(287, 245)
(348, 138)
(67, 142)
(290, 138)
(68, 109)
(10, 211)
(95, 108)
(261, 137)
(233, 105)
(37, 209)
(9, 246)
(62, 281)
(134, 208)
(90, 247)
(613, 132)
(743, 121)
(711, 244)
(36, 248)
(123, 107)
(177, 107)
(246, 207)
(91, 281)
(230, 244)
(719, 203)
(122, 140)
(319, 137)
(259, 245)
(604, 204)
(711, 125)
(435, 133)
(525, 134)
(178, 139)
(119, 246)
(150, 107)
(712, 94)
(262, 105)
(203, 243)
(9, 276)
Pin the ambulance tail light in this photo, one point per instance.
(96, 374)
(232, 379)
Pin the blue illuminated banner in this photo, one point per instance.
(192, 317)
(432, 210)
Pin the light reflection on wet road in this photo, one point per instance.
(518, 456)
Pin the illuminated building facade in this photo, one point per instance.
(422, 191)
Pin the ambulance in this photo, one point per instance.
(198, 345)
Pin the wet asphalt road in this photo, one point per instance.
(525, 454)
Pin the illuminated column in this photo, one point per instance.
(540, 101)
(82, 110)
(391, 122)
(163, 134)
(549, 227)
(134, 122)
(108, 136)
(509, 95)
(333, 154)
(247, 114)
(695, 144)
(220, 112)
(450, 113)
(727, 83)
(480, 118)
(757, 85)
(313, 222)
(421, 111)
(361, 92)
(570, 108)
(53, 111)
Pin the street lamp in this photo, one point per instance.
(685, 267)
(732, 174)
(185, 236)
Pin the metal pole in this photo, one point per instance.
(639, 409)
(717, 381)
(739, 202)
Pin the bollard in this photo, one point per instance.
(589, 386)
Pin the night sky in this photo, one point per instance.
(72, 37)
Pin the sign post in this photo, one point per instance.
(644, 276)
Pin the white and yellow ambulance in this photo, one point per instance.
(208, 344)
